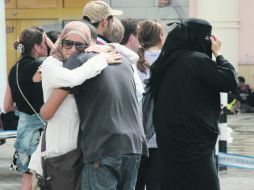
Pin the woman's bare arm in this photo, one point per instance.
(50, 107)
(9, 104)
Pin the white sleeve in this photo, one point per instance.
(133, 58)
(128, 53)
(139, 85)
(57, 76)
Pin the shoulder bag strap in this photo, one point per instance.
(17, 79)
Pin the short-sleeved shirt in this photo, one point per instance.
(108, 111)
(32, 90)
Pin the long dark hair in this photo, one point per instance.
(185, 37)
(27, 39)
(159, 68)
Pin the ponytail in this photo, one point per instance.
(142, 64)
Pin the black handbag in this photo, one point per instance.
(9, 120)
(147, 111)
(61, 172)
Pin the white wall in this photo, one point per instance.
(225, 19)
(247, 32)
(3, 71)
(148, 9)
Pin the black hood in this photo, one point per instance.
(187, 36)
(190, 35)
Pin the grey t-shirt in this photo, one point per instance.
(108, 111)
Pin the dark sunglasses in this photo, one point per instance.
(68, 44)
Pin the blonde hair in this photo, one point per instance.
(116, 31)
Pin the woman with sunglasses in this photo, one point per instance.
(63, 127)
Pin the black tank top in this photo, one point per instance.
(32, 90)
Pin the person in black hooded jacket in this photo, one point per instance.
(185, 88)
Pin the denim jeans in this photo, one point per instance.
(111, 173)
(28, 136)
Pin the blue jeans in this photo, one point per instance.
(28, 136)
(111, 173)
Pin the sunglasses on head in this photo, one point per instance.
(68, 44)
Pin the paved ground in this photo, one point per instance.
(231, 179)
(237, 179)
(243, 144)
(9, 180)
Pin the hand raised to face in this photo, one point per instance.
(216, 45)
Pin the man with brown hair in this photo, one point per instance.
(113, 138)
(130, 38)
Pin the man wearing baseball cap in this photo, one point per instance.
(99, 14)
(113, 138)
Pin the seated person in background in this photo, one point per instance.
(244, 91)
(233, 103)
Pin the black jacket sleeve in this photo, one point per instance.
(220, 75)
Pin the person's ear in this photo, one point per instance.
(104, 23)
(36, 47)
(132, 38)
(162, 38)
